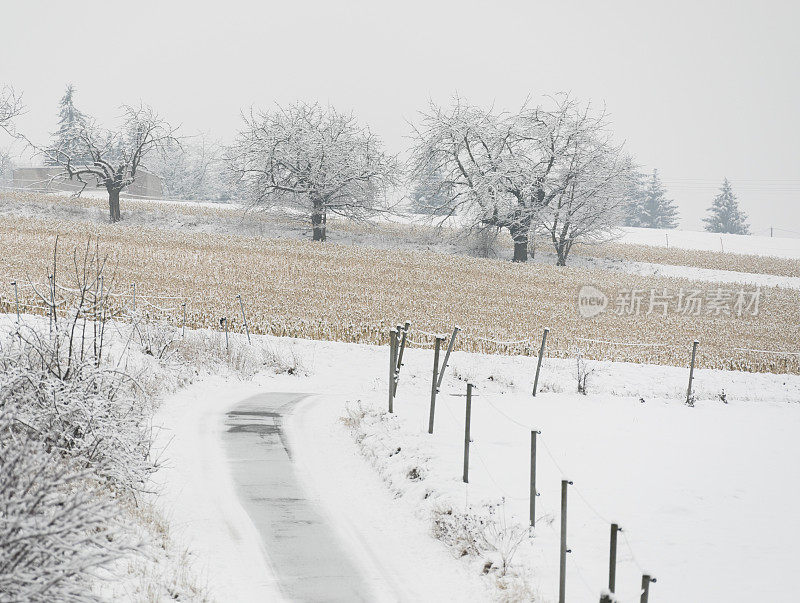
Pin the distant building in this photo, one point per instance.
(45, 179)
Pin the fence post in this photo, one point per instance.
(691, 375)
(447, 357)
(646, 580)
(534, 493)
(437, 344)
(244, 318)
(539, 361)
(392, 366)
(612, 558)
(224, 322)
(400, 354)
(16, 299)
(134, 296)
(562, 566)
(466, 433)
(183, 326)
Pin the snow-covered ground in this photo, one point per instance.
(778, 246)
(690, 272)
(706, 495)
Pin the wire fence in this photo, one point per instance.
(473, 447)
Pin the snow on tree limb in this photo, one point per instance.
(11, 106)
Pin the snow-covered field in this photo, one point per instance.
(778, 246)
(705, 495)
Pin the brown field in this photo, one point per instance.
(418, 235)
(350, 293)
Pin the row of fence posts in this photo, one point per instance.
(398, 338)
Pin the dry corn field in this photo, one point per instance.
(420, 235)
(354, 294)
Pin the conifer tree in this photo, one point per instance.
(66, 141)
(725, 215)
(650, 208)
(431, 192)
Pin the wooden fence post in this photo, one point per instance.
(16, 299)
(533, 493)
(562, 565)
(612, 558)
(466, 433)
(539, 360)
(646, 580)
(689, 400)
(134, 296)
(224, 322)
(183, 326)
(400, 354)
(436, 346)
(392, 366)
(447, 357)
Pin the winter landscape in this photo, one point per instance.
(372, 303)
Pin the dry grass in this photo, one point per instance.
(348, 293)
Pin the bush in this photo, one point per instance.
(55, 526)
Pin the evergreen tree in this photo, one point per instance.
(650, 208)
(66, 140)
(430, 193)
(634, 210)
(725, 215)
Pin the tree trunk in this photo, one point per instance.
(562, 251)
(113, 206)
(521, 250)
(318, 220)
(520, 231)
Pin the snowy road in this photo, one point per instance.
(309, 562)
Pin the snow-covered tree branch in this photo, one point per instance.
(10, 107)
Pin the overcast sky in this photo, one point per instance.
(700, 90)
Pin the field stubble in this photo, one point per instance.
(355, 294)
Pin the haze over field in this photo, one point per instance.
(458, 300)
(699, 90)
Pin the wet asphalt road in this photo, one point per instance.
(309, 562)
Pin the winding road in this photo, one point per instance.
(308, 560)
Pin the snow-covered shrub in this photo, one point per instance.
(204, 349)
(504, 537)
(481, 242)
(79, 409)
(55, 523)
(464, 533)
(582, 371)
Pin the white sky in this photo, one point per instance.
(698, 89)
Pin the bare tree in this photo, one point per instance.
(596, 178)
(508, 170)
(10, 107)
(115, 156)
(497, 167)
(193, 170)
(314, 159)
